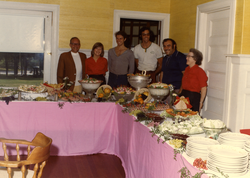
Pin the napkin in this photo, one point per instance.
(245, 131)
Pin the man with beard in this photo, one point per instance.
(173, 64)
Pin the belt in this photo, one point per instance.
(118, 75)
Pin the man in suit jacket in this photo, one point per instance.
(72, 65)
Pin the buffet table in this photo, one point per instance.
(89, 128)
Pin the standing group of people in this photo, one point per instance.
(182, 71)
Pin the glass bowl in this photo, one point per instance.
(90, 88)
(158, 94)
(212, 132)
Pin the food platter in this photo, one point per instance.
(7, 92)
(51, 87)
(32, 88)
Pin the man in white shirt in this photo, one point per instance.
(72, 65)
(148, 55)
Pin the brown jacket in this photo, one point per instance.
(66, 67)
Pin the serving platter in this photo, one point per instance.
(32, 88)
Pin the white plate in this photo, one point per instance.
(227, 168)
(248, 143)
(202, 141)
(228, 160)
(227, 151)
(228, 171)
(234, 144)
(234, 136)
(227, 164)
(199, 149)
(196, 152)
(204, 157)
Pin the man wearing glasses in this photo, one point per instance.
(148, 55)
(72, 65)
(173, 64)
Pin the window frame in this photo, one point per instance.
(52, 50)
(163, 17)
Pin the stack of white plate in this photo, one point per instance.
(234, 139)
(247, 146)
(197, 146)
(228, 159)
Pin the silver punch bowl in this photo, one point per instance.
(139, 82)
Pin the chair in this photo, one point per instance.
(37, 156)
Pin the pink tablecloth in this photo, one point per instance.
(88, 128)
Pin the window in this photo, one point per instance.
(29, 55)
(133, 26)
(161, 17)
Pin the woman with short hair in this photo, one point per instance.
(194, 81)
(96, 66)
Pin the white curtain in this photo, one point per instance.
(21, 34)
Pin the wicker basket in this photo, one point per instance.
(101, 90)
(142, 90)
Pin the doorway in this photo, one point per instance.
(214, 38)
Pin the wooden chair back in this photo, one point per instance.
(37, 156)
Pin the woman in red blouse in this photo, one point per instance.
(194, 80)
(96, 66)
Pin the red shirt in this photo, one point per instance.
(194, 79)
(96, 68)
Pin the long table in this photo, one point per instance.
(89, 128)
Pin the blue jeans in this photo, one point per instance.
(117, 80)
